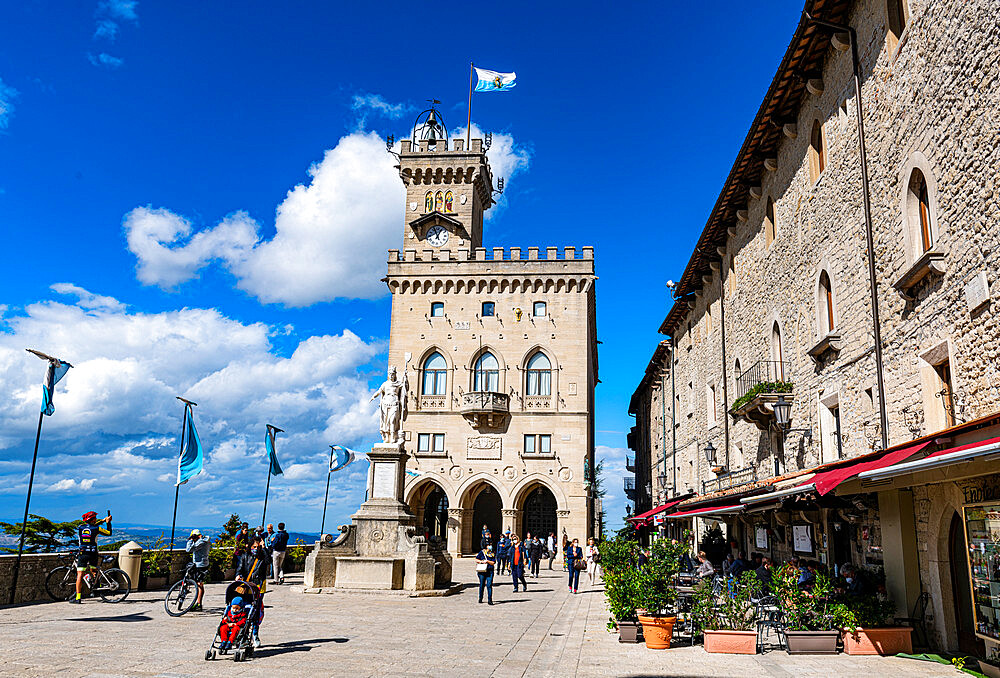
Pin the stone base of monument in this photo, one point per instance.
(381, 550)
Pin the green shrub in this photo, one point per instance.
(763, 387)
(656, 588)
(156, 559)
(815, 608)
(621, 581)
(733, 609)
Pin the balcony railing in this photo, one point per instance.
(629, 484)
(629, 463)
(761, 372)
(485, 402)
(743, 476)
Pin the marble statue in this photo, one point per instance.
(392, 406)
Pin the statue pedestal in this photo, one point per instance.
(388, 550)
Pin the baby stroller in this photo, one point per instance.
(242, 644)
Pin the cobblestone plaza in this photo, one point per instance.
(544, 632)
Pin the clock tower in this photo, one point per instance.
(447, 188)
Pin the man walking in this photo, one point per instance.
(534, 554)
(503, 552)
(517, 558)
(241, 551)
(552, 548)
(198, 546)
(279, 544)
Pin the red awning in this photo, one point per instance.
(827, 481)
(711, 510)
(648, 515)
(969, 446)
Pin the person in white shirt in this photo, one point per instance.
(552, 545)
(593, 556)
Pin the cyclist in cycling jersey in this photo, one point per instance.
(87, 534)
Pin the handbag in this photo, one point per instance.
(580, 564)
(482, 567)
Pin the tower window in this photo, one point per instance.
(437, 309)
(449, 202)
(486, 374)
(897, 15)
(489, 309)
(539, 376)
(429, 202)
(770, 232)
(538, 444)
(826, 322)
(435, 375)
(817, 151)
(439, 201)
(430, 442)
(920, 198)
(539, 309)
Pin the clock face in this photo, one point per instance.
(437, 236)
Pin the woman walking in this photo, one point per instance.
(593, 556)
(518, 557)
(485, 563)
(576, 562)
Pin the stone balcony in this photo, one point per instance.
(485, 408)
(759, 389)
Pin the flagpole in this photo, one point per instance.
(326, 498)
(177, 486)
(27, 502)
(267, 489)
(468, 126)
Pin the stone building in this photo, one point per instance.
(500, 350)
(775, 308)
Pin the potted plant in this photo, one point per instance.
(656, 593)
(621, 586)
(991, 665)
(156, 565)
(727, 621)
(813, 618)
(867, 630)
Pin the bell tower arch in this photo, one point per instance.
(448, 187)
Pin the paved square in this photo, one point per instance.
(544, 632)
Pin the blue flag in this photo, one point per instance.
(340, 457)
(192, 459)
(492, 81)
(269, 445)
(57, 370)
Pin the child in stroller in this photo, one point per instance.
(240, 622)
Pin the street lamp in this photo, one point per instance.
(662, 479)
(782, 412)
(710, 453)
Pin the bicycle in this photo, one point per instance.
(182, 595)
(112, 584)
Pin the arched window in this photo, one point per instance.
(449, 202)
(486, 374)
(439, 201)
(539, 376)
(921, 200)
(817, 151)
(435, 375)
(738, 369)
(770, 231)
(826, 322)
(897, 15)
(429, 202)
(777, 353)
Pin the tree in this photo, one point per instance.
(229, 530)
(600, 491)
(42, 535)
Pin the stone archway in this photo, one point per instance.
(538, 511)
(436, 514)
(486, 510)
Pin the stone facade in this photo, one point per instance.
(501, 356)
(753, 310)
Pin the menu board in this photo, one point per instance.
(982, 533)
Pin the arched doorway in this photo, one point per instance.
(485, 511)
(539, 512)
(961, 591)
(436, 514)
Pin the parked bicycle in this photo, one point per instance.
(182, 595)
(112, 584)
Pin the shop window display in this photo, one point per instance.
(982, 531)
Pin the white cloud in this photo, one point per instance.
(71, 485)
(375, 102)
(7, 96)
(331, 234)
(108, 15)
(104, 59)
(87, 299)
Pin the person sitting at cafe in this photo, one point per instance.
(705, 568)
(727, 565)
(764, 573)
(856, 583)
(739, 566)
(807, 574)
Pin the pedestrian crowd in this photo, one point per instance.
(522, 559)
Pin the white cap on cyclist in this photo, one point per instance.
(196, 532)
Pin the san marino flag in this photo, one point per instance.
(492, 81)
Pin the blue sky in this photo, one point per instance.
(195, 201)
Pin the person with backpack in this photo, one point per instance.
(279, 546)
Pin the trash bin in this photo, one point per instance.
(129, 559)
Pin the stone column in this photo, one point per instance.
(455, 520)
(511, 521)
(899, 548)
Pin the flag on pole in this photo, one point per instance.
(57, 370)
(340, 457)
(192, 460)
(493, 81)
(269, 444)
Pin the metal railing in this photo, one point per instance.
(485, 402)
(760, 372)
(629, 484)
(743, 476)
(629, 462)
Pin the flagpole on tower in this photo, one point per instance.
(468, 126)
(326, 497)
(177, 486)
(272, 462)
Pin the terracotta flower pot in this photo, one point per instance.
(990, 670)
(812, 642)
(882, 641)
(657, 631)
(629, 632)
(726, 641)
